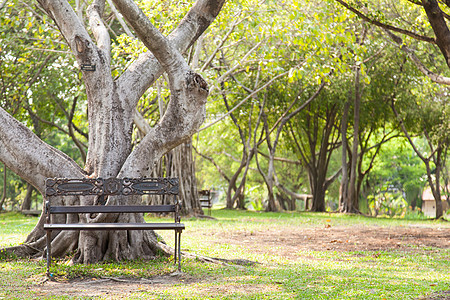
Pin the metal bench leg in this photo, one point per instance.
(179, 251)
(49, 250)
(175, 253)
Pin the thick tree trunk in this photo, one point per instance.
(111, 110)
(180, 164)
(317, 184)
(319, 181)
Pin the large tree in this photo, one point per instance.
(110, 110)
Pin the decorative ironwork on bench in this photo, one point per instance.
(111, 186)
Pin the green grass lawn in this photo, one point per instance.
(305, 274)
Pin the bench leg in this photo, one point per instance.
(175, 253)
(179, 251)
(49, 250)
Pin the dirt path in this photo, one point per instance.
(327, 238)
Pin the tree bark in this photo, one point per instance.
(176, 163)
(180, 164)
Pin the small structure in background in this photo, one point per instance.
(429, 204)
(204, 196)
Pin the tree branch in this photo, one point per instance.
(72, 30)
(411, 55)
(100, 31)
(219, 169)
(402, 125)
(37, 160)
(440, 28)
(224, 39)
(281, 159)
(386, 26)
(167, 55)
(120, 19)
(244, 100)
(145, 70)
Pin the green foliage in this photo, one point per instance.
(397, 171)
(39, 77)
(39, 82)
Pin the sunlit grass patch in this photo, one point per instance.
(14, 226)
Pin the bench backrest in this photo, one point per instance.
(112, 187)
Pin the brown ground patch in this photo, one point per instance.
(276, 241)
(280, 241)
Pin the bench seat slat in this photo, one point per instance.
(79, 209)
(115, 226)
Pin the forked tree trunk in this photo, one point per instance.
(111, 110)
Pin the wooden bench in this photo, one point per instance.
(112, 187)
(204, 196)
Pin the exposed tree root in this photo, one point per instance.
(20, 251)
(205, 217)
(162, 249)
(207, 259)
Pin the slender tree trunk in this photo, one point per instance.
(352, 194)
(343, 198)
(2, 200)
(436, 187)
(273, 202)
(233, 192)
(436, 156)
(236, 194)
(26, 203)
